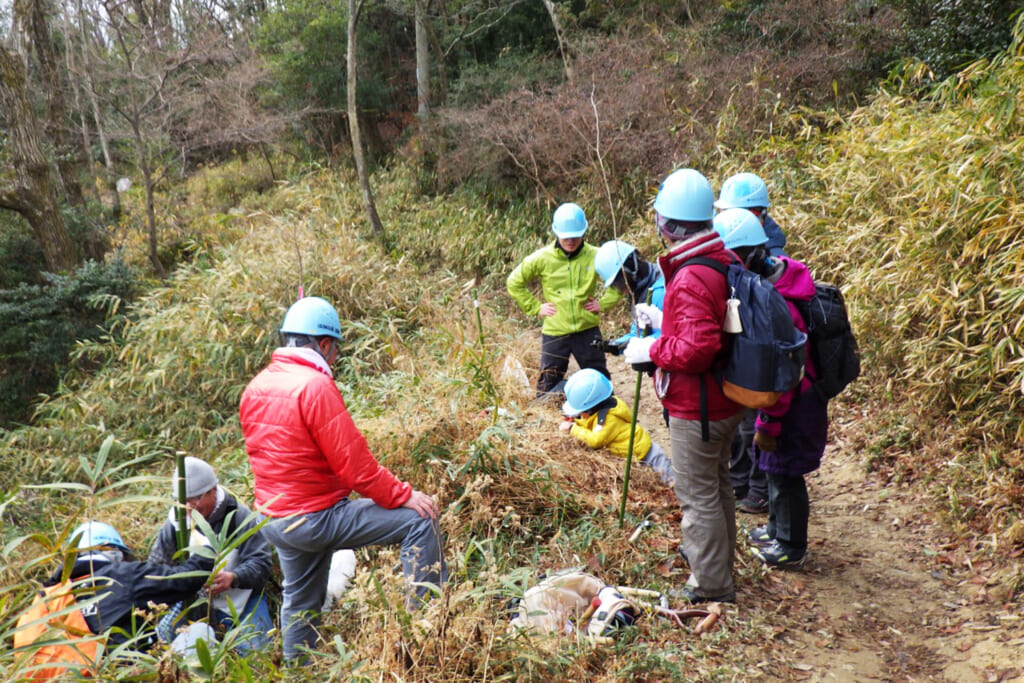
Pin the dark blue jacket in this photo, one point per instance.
(128, 585)
(776, 238)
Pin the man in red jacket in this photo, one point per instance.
(307, 456)
(701, 419)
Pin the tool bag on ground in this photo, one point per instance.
(767, 357)
(834, 350)
(55, 626)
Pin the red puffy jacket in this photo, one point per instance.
(305, 452)
(691, 331)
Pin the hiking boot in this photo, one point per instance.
(759, 537)
(693, 598)
(776, 555)
(753, 504)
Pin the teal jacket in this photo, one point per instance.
(566, 282)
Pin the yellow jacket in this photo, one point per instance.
(610, 429)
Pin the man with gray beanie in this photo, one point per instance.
(238, 586)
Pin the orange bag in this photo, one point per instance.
(69, 642)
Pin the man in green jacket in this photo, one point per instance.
(569, 308)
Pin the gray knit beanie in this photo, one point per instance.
(199, 477)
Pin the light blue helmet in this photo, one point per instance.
(685, 195)
(312, 316)
(740, 228)
(569, 221)
(609, 259)
(743, 191)
(98, 535)
(584, 390)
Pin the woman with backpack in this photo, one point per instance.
(702, 419)
(748, 191)
(790, 436)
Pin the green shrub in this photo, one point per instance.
(20, 254)
(481, 82)
(949, 35)
(225, 186)
(40, 323)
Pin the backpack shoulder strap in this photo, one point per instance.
(705, 430)
(705, 261)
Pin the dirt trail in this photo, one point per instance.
(883, 596)
(879, 599)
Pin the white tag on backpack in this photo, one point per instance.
(732, 323)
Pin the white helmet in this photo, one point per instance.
(610, 258)
(569, 221)
(740, 228)
(743, 191)
(685, 195)
(312, 316)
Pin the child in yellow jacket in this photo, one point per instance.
(602, 420)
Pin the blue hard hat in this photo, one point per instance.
(609, 259)
(740, 228)
(584, 390)
(685, 195)
(569, 221)
(743, 191)
(98, 535)
(312, 316)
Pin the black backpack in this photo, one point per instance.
(834, 349)
(767, 358)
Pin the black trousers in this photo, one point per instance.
(789, 509)
(555, 352)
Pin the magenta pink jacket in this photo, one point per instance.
(305, 452)
(794, 284)
(691, 330)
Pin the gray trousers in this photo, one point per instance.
(704, 492)
(747, 477)
(305, 552)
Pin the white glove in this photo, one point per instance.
(638, 350)
(646, 314)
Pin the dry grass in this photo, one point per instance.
(914, 207)
(911, 205)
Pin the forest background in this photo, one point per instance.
(174, 172)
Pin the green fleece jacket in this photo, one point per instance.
(566, 282)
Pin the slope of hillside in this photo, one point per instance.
(912, 205)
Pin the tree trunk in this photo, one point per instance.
(142, 158)
(110, 179)
(30, 192)
(422, 61)
(439, 62)
(563, 44)
(353, 124)
(57, 130)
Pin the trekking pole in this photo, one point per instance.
(632, 424)
(181, 535)
(629, 453)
